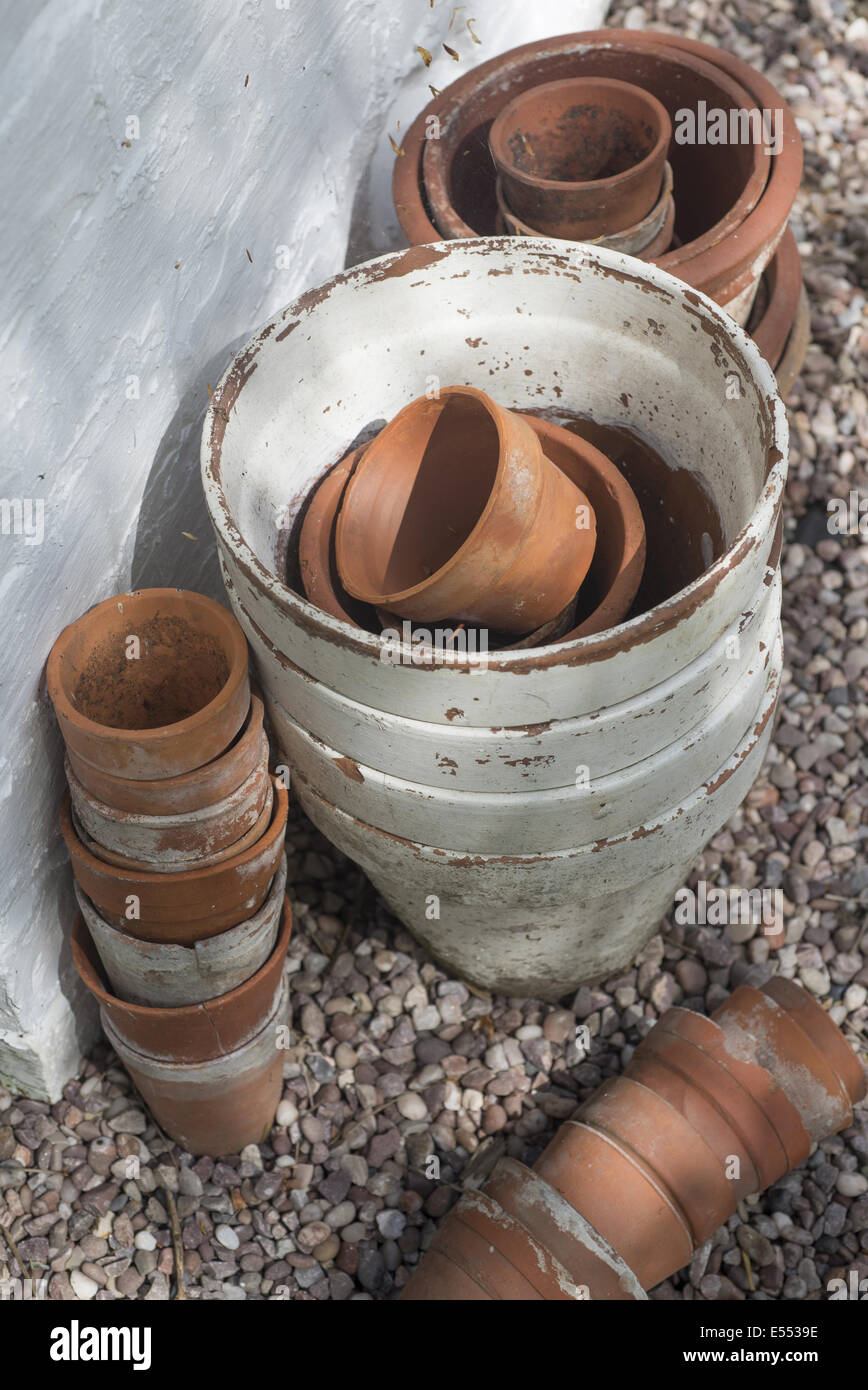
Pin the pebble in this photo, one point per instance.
(228, 1237)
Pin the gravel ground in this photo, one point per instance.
(394, 1060)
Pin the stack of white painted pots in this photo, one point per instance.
(531, 819)
(175, 830)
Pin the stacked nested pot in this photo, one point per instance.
(528, 819)
(707, 1112)
(489, 154)
(175, 828)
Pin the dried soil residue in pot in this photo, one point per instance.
(178, 671)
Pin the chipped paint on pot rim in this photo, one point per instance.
(546, 258)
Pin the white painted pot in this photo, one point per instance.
(169, 975)
(418, 771)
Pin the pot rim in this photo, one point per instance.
(495, 414)
(170, 820)
(782, 171)
(93, 977)
(236, 649)
(597, 646)
(149, 878)
(246, 739)
(664, 136)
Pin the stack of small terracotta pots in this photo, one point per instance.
(585, 159)
(461, 511)
(175, 830)
(707, 1112)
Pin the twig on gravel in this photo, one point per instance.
(177, 1245)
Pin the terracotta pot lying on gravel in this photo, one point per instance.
(191, 791)
(657, 1159)
(733, 200)
(610, 584)
(581, 158)
(150, 684)
(189, 905)
(453, 511)
(162, 974)
(176, 841)
(210, 1072)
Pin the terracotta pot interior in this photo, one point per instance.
(579, 132)
(181, 668)
(683, 533)
(426, 494)
(708, 179)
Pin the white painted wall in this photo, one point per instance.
(126, 285)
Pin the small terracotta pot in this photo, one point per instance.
(161, 705)
(189, 1032)
(781, 1140)
(217, 1106)
(645, 1225)
(610, 585)
(175, 796)
(713, 1102)
(177, 862)
(806, 1072)
(581, 158)
(158, 974)
(316, 546)
(454, 512)
(187, 906)
(168, 843)
(647, 238)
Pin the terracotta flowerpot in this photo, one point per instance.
(188, 1032)
(780, 1139)
(179, 862)
(454, 512)
(168, 843)
(777, 306)
(648, 238)
(583, 157)
(163, 975)
(191, 791)
(184, 907)
(210, 1072)
(150, 684)
(795, 1041)
(733, 200)
(647, 1162)
(612, 580)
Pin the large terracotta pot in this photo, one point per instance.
(150, 684)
